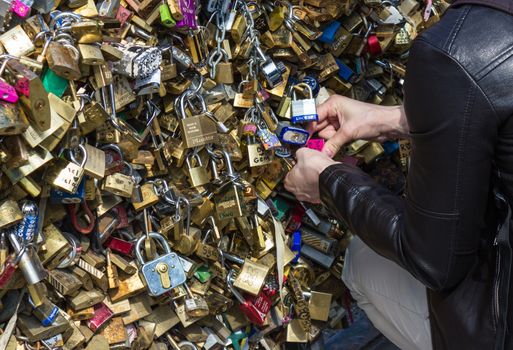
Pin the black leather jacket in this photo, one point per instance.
(459, 105)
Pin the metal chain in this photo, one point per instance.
(217, 54)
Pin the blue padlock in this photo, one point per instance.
(295, 247)
(329, 32)
(283, 152)
(292, 135)
(313, 83)
(58, 196)
(390, 147)
(345, 72)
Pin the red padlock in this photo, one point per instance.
(373, 45)
(120, 246)
(249, 306)
(122, 216)
(271, 285)
(113, 159)
(262, 303)
(7, 272)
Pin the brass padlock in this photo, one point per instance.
(169, 69)
(95, 116)
(12, 119)
(230, 203)
(87, 32)
(243, 99)
(10, 213)
(195, 305)
(91, 55)
(197, 130)
(238, 28)
(33, 96)
(198, 175)
(63, 61)
(66, 175)
(223, 72)
(119, 184)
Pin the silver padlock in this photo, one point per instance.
(137, 195)
(28, 260)
(163, 273)
(108, 8)
(303, 110)
(272, 71)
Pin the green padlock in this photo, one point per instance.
(165, 16)
(203, 274)
(54, 83)
(282, 206)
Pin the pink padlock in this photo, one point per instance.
(7, 92)
(316, 144)
(20, 8)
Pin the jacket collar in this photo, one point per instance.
(503, 5)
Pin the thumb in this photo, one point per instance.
(333, 145)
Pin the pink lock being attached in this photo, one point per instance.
(8, 93)
(316, 144)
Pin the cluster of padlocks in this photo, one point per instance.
(143, 148)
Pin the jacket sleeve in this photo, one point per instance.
(434, 231)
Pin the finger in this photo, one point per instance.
(301, 154)
(321, 125)
(327, 133)
(325, 109)
(311, 127)
(333, 145)
(289, 183)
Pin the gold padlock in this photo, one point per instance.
(12, 119)
(197, 130)
(10, 213)
(119, 184)
(91, 55)
(36, 104)
(66, 175)
(198, 175)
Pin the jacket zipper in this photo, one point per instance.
(496, 284)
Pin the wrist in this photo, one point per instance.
(390, 121)
(324, 164)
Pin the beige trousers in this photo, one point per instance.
(394, 301)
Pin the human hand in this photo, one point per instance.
(303, 179)
(342, 120)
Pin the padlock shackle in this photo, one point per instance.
(302, 85)
(188, 214)
(232, 258)
(74, 159)
(151, 235)
(113, 147)
(193, 154)
(72, 211)
(70, 258)
(186, 97)
(234, 291)
(71, 16)
(228, 163)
